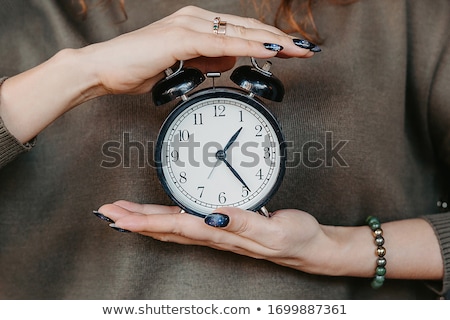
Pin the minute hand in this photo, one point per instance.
(235, 173)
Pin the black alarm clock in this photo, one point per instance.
(220, 146)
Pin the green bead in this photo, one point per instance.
(377, 282)
(369, 219)
(376, 285)
(380, 271)
(375, 225)
(378, 278)
(373, 222)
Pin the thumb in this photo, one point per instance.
(237, 220)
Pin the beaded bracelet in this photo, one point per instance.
(380, 270)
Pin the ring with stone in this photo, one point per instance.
(219, 26)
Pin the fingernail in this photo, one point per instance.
(273, 47)
(112, 225)
(316, 49)
(302, 43)
(217, 220)
(102, 216)
(305, 44)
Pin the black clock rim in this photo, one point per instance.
(220, 92)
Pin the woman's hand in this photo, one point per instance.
(132, 63)
(291, 238)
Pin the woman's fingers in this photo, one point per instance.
(200, 22)
(165, 223)
(123, 208)
(232, 19)
(244, 27)
(146, 208)
(228, 228)
(132, 63)
(241, 41)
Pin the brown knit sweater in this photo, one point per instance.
(368, 128)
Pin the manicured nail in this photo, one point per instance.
(316, 49)
(273, 47)
(217, 220)
(102, 216)
(112, 225)
(305, 44)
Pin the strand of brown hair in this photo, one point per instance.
(84, 7)
(295, 16)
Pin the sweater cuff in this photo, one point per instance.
(441, 225)
(10, 147)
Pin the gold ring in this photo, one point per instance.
(219, 26)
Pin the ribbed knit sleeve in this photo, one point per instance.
(441, 225)
(439, 127)
(10, 147)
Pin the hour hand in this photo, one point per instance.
(235, 174)
(233, 138)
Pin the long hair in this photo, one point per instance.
(84, 7)
(295, 16)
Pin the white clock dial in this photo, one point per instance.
(220, 148)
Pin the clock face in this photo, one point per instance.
(219, 148)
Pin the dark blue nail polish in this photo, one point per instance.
(273, 47)
(112, 225)
(305, 44)
(315, 49)
(102, 216)
(217, 220)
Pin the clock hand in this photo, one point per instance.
(222, 153)
(235, 173)
(233, 138)
(215, 165)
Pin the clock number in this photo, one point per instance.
(175, 155)
(222, 198)
(202, 188)
(241, 116)
(183, 135)
(183, 177)
(259, 174)
(245, 192)
(219, 111)
(198, 119)
(258, 129)
(266, 152)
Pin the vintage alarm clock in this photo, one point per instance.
(220, 146)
